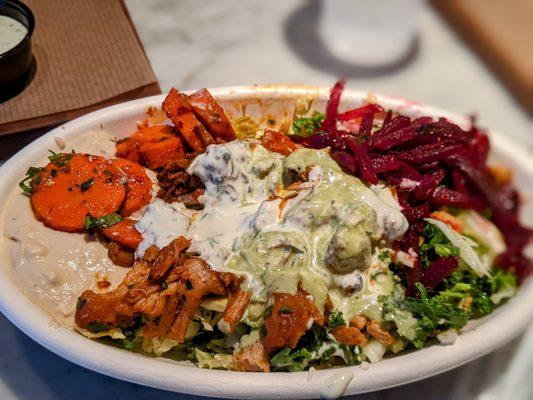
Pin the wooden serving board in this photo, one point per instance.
(501, 32)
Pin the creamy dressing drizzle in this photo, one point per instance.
(336, 384)
(241, 219)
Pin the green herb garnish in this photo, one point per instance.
(285, 310)
(61, 159)
(96, 327)
(33, 177)
(103, 222)
(306, 126)
(384, 255)
(87, 184)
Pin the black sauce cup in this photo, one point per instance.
(16, 62)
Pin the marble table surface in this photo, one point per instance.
(211, 43)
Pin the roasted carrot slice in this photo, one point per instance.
(138, 186)
(152, 134)
(124, 233)
(129, 148)
(278, 142)
(211, 114)
(179, 110)
(156, 155)
(74, 186)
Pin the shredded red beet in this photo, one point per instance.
(369, 109)
(438, 271)
(430, 163)
(330, 122)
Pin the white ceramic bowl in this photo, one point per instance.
(264, 102)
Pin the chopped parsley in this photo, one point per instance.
(103, 222)
(306, 126)
(33, 177)
(87, 184)
(463, 295)
(285, 310)
(61, 159)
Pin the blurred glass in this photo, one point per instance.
(369, 32)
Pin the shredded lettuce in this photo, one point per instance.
(465, 245)
(374, 350)
(435, 245)
(213, 361)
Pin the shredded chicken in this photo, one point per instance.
(349, 335)
(375, 330)
(253, 358)
(238, 300)
(120, 255)
(358, 322)
(166, 288)
(289, 319)
(178, 185)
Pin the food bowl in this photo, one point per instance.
(264, 103)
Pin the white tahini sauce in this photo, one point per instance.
(11, 33)
(53, 268)
(231, 201)
(335, 385)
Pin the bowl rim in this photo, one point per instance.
(24, 9)
(165, 374)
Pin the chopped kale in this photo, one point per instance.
(336, 319)
(291, 360)
(433, 313)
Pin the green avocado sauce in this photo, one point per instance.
(327, 230)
